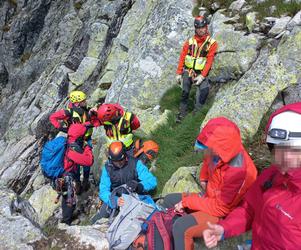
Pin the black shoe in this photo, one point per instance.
(85, 185)
(78, 187)
(179, 118)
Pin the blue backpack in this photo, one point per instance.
(52, 158)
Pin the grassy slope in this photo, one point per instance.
(176, 140)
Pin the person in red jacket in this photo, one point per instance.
(227, 173)
(76, 112)
(78, 153)
(194, 65)
(117, 123)
(271, 208)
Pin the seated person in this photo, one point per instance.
(271, 207)
(118, 170)
(227, 173)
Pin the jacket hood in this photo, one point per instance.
(223, 137)
(76, 131)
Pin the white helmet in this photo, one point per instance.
(285, 128)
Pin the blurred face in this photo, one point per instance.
(119, 164)
(287, 157)
(201, 31)
(83, 103)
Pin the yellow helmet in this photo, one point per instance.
(77, 96)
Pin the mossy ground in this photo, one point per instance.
(176, 140)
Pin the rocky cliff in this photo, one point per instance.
(124, 51)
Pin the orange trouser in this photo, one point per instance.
(197, 230)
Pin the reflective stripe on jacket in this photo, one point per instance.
(122, 131)
(196, 57)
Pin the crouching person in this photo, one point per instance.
(271, 207)
(227, 173)
(77, 153)
(122, 169)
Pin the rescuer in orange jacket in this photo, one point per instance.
(194, 64)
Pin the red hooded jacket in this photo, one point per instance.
(229, 178)
(76, 154)
(271, 207)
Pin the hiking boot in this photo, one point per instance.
(179, 118)
(85, 185)
(78, 188)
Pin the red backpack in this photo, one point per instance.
(160, 222)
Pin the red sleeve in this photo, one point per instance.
(58, 116)
(220, 205)
(204, 175)
(210, 57)
(83, 159)
(238, 221)
(183, 54)
(135, 124)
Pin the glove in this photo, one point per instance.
(198, 80)
(179, 79)
(135, 186)
(63, 129)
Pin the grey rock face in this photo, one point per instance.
(279, 26)
(88, 236)
(236, 51)
(3, 76)
(237, 5)
(254, 93)
(17, 232)
(295, 21)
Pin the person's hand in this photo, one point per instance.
(213, 234)
(179, 79)
(203, 185)
(120, 201)
(199, 79)
(132, 185)
(179, 207)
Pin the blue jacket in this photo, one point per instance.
(145, 177)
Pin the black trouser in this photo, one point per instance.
(67, 211)
(200, 97)
(181, 224)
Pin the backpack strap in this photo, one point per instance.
(159, 222)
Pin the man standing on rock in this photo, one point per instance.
(194, 64)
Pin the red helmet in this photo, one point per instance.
(107, 112)
(200, 22)
(117, 151)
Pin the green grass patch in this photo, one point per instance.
(176, 141)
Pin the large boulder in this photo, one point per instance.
(87, 237)
(42, 201)
(17, 232)
(183, 180)
(146, 53)
(247, 100)
(236, 50)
